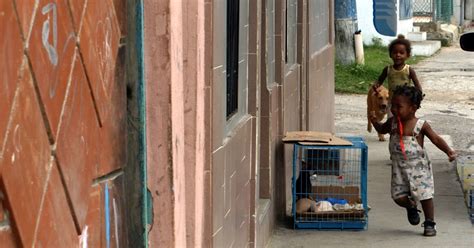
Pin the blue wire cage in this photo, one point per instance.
(329, 186)
(471, 204)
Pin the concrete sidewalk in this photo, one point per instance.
(388, 224)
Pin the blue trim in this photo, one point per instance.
(351, 225)
(364, 175)
(293, 185)
(142, 116)
(107, 215)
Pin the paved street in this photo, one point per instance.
(447, 80)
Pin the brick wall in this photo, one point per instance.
(62, 122)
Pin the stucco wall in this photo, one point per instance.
(158, 115)
(291, 110)
(365, 17)
(458, 14)
(320, 84)
(176, 42)
(232, 139)
(246, 178)
(469, 10)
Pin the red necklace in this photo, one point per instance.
(400, 129)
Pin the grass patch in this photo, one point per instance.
(358, 78)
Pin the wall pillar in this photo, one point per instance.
(346, 26)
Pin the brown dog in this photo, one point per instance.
(377, 102)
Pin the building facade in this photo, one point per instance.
(225, 80)
(156, 123)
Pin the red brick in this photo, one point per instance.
(8, 239)
(11, 55)
(56, 225)
(96, 216)
(117, 235)
(94, 219)
(77, 8)
(78, 142)
(120, 12)
(52, 61)
(25, 10)
(2, 213)
(99, 40)
(26, 162)
(113, 153)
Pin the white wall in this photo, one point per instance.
(469, 10)
(365, 17)
(457, 8)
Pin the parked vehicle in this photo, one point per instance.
(467, 42)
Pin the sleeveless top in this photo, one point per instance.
(398, 77)
(413, 150)
(414, 175)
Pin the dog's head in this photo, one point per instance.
(381, 94)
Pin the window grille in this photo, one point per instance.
(232, 57)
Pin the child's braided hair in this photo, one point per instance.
(412, 93)
(402, 41)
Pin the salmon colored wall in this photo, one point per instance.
(232, 149)
(158, 76)
(219, 201)
(321, 91)
(178, 127)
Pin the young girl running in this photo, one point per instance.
(399, 73)
(412, 176)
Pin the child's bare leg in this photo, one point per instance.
(412, 211)
(428, 209)
(405, 202)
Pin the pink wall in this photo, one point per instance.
(158, 75)
(178, 158)
(224, 183)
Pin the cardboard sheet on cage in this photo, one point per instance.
(315, 138)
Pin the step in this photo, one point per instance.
(465, 170)
(425, 48)
(416, 36)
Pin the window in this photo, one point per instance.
(270, 42)
(232, 57)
